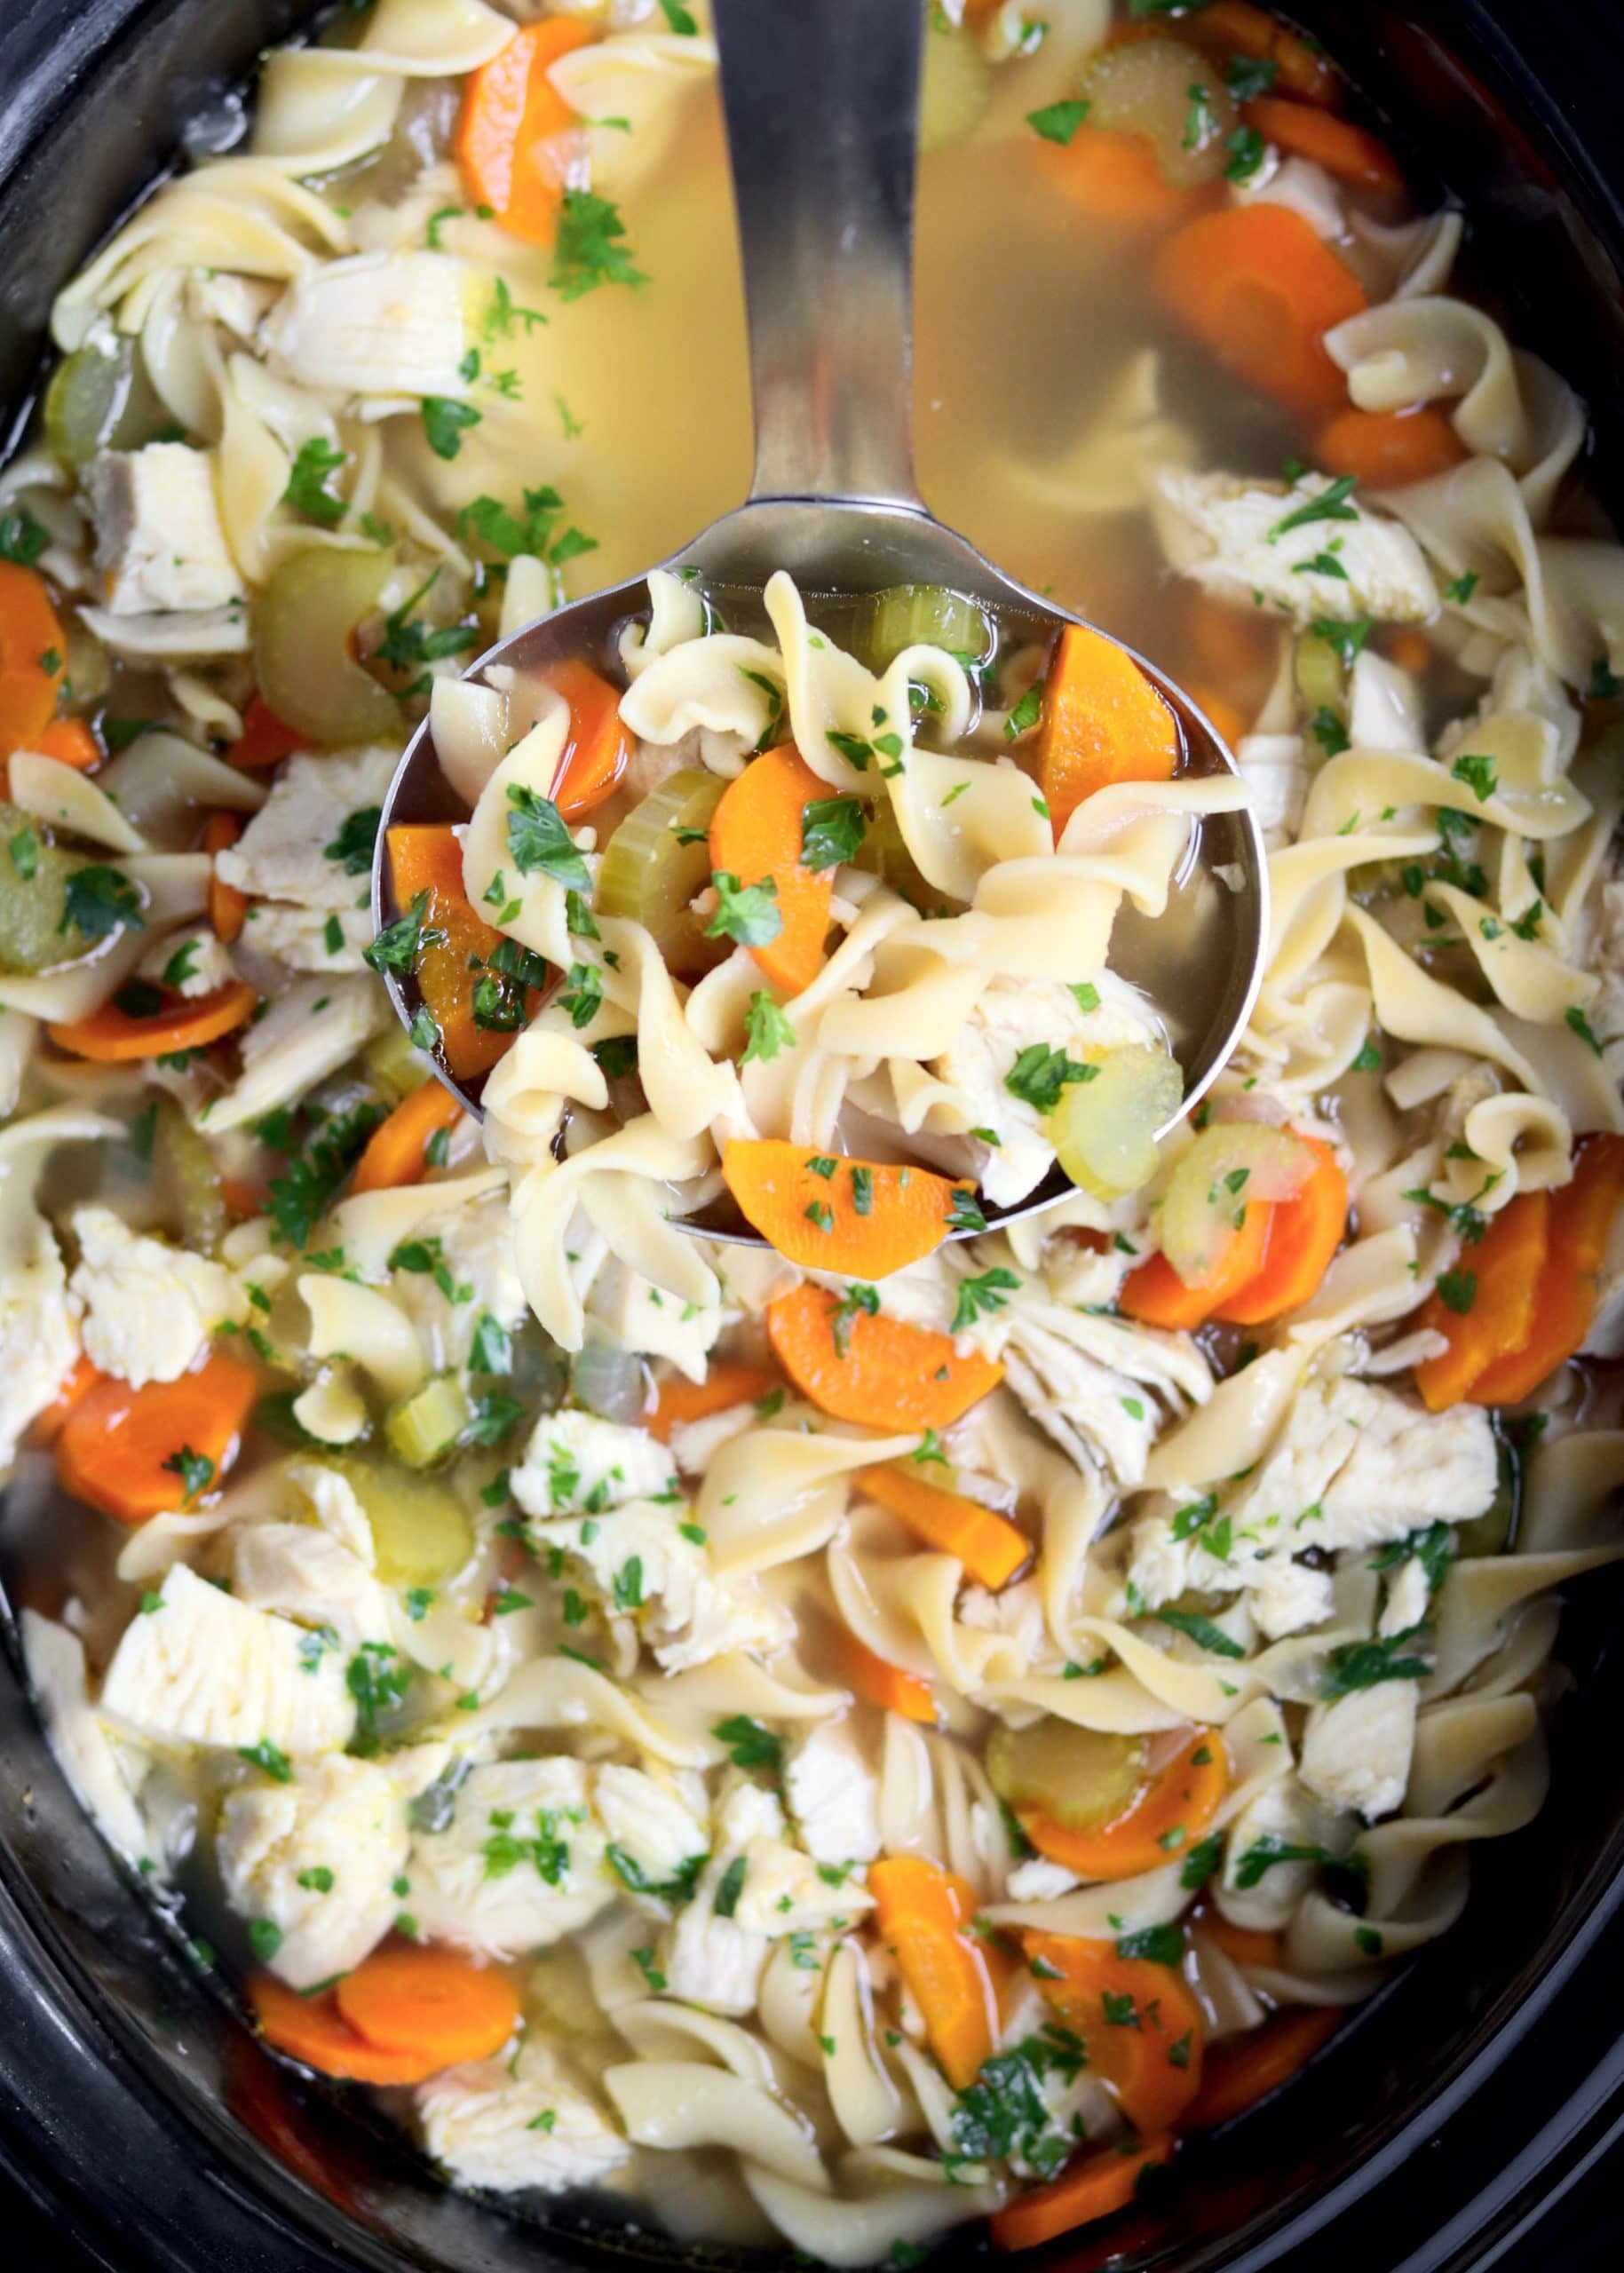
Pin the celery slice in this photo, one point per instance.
(425, 1428)
(1104, 1131)
(921, 615)
(658, 859)
(1079, 1777)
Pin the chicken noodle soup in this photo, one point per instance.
(839, 969)
(913, 1744)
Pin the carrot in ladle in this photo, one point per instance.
(1102, 722)
(862, 1218)
(756, 835)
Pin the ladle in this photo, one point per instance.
(821, 100)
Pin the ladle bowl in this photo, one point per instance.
(821, 104)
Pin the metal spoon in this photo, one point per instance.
(821, 102)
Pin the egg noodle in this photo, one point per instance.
(908, 1725)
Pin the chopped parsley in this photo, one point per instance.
(766, 1029)
(750, 1745)
(747, 913)
(832, 830)
(444, 421)
(539, 841)
(1057, 122)
(1040, 1074)
(590, 247)
(982, 1294)
(307, 491)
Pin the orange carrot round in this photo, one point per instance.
(1112, 175)
(1257, 287)
(71, 741)
(397, 1151)
(312, 2031)
(113, 1037)
(1102, 722)
(879, 1372)
(32, 658)
(756, 835)
(1389, 449)
(1095, 2186)
(47, 1425)
(860, 1217)
(598, 750)
(426, 857)
(986, 1543)
(266, 738)
(922, 1914)
(878, 1681)
(1155, 1295)
(1506, 1265)
(1580, 1225)
(1246, 2069)
(1168, 1816)
(1347, 153)
(429, 2004)
(114, 1446)
(1303, 1233)
(509, 113)
(679, 1400)
(1139, 2020)
(227, 906)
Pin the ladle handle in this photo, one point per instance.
(822, 99)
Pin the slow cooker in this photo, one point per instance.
(138, 2116)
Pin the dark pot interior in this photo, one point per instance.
(134, 2106)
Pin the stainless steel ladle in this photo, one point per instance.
(822, 99)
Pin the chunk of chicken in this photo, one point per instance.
(160, 543)
(514, 2126)
(199, 1668)
(1231, 534)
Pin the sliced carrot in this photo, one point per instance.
(1506, 1265)
(679, 1400)
(987, 1544)
(1260, 290)
(1411, 650)
(312, 2030)
(510, 113)
(33, 658)
(598, 750)
(1155, 1295)
(1167, 1817)
(266, 738)
(71, 741)
(242, 1197)
(430, 2005)
(1347, 153)
(227, 906)
(878, 1681)
(924, 1914)
(1389, 449)
(863, 1219)
(1102, 722)
(47, 1425)
(880, 1372)
(397, 1151)
(1114, 177)
(1580, 1226)
(1139, 2021)
(1247, 1945)
(426, 857)
(1227, 27)
(1304, 1233)
(114, 1446)
(113, 1037)
(1243, 2070)
(755, 836)
(1228, 720)
(1094, 2187)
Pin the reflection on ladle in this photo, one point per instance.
(821, 107)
